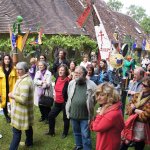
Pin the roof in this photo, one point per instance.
(59, 17)
(55, 16)
(113, 21)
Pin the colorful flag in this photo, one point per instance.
(24, 40)
(134, 45)
(81, 20)
(147, 46)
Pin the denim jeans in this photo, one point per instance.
(17, 137)
(82, 134)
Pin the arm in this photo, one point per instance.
(23, 95)
(101, 123)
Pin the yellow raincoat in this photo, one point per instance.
(12, 80)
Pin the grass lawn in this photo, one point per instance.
(41, 141)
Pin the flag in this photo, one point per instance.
(143, 44)
(147, 46)
(134, 45)
(103, 41)
(81, 20)
(19, 42)
(24, 40)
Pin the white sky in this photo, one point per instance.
(143, 3)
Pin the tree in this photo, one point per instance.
(115, 5)
(145, 24)
(136, 12)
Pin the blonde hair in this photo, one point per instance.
(33, 60)
(113, 95)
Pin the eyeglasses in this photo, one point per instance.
(146, 86)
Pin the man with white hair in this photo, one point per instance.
(80, 107)
(135, 85)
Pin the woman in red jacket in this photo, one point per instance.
(109, 120)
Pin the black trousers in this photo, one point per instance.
(137, 146)
(17, 137)
(44, 112)
(57, 108)
(5, 110)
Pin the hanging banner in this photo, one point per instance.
(103, 41)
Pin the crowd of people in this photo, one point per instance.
(76, 91)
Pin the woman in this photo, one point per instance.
(22, 107)
(8, 77)
(91, 75)
(60, 99)
(72, 66)
(103, 75)
(140, 105)
(109, 120)
(43, 58)
(42, 81)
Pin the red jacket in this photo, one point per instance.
(108, 127)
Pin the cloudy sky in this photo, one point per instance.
(143, 3)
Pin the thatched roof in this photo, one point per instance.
(55, 16)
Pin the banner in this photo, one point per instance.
(103, 41)
(81, 20)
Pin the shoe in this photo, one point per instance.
(41, 119)
(77, 148)
(63, 136)
(51, 134)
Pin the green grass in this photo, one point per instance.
(41, 141)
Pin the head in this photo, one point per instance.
(80, 75)
(72, 65)
(33, 61)
(42, 65)
(22, 68)
(85, 58)
(139, 73)
(107, 94)
(103, 64)
(43, 58)
(128, 58)
(90, 70)
(94, 63)
(148, 67)
(146, 84)
(61, 54)
(63, 71)
(7, 61)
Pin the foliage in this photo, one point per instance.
(115, 5)
(50, 42)
(145, 24)
(136, 12)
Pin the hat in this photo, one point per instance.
(116, 61)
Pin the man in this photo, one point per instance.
(60, 60)
(135, 85)
(80, 107)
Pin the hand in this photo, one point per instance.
(10, 95)
(104, 108)
(138, 111)
(132, 106)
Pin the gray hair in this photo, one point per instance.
(23, 66)
(44, 63)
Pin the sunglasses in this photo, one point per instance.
(144, 85)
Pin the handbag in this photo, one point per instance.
(45, 99)
(138, 131)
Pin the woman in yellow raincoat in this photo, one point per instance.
(8, 77)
